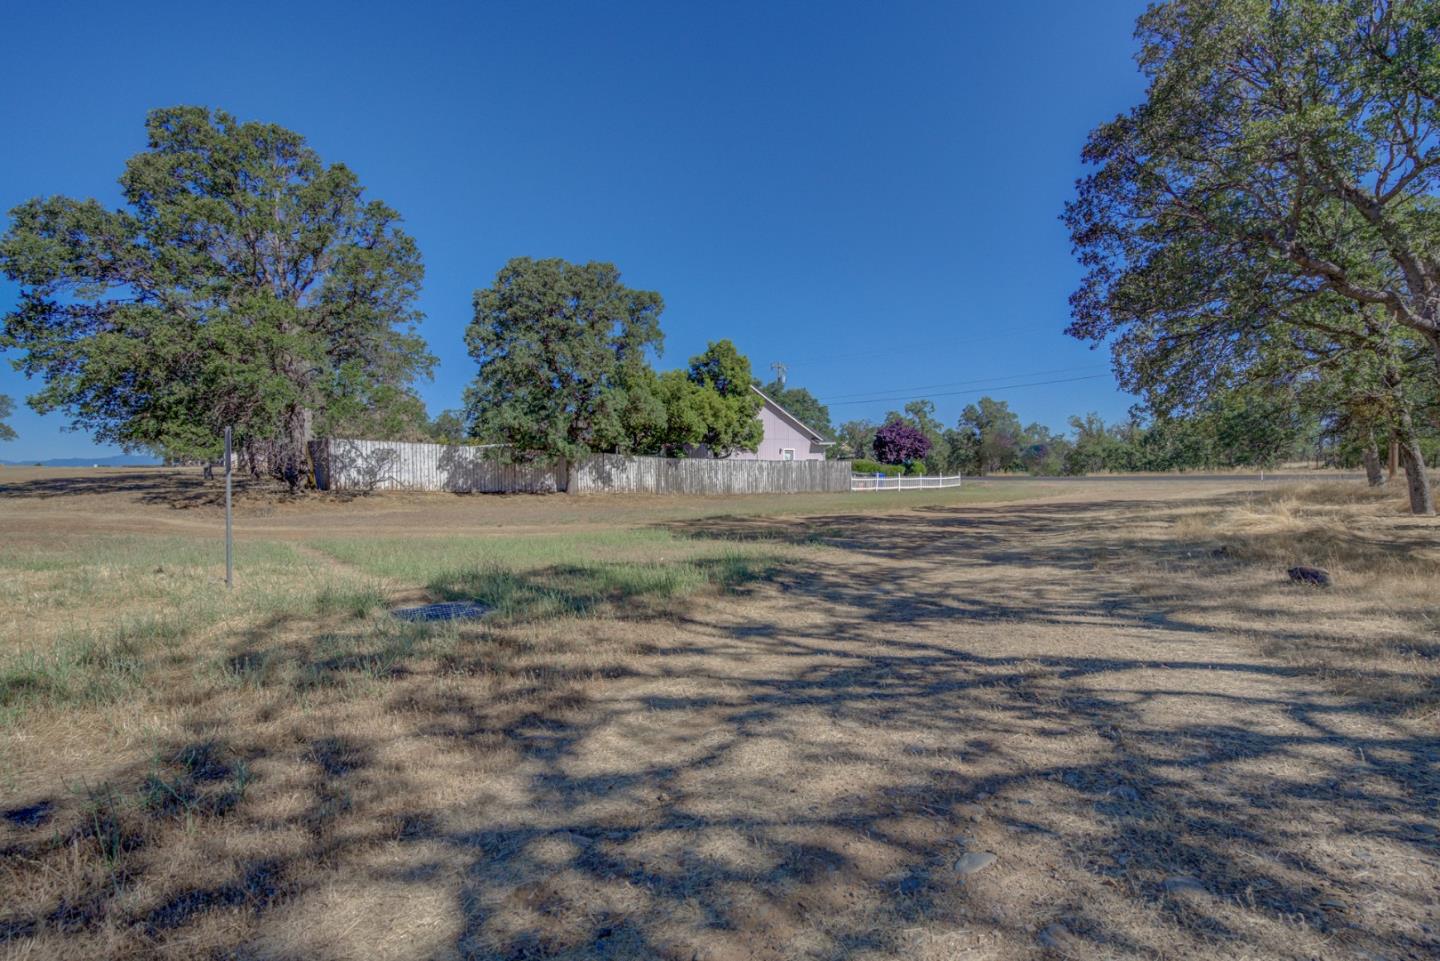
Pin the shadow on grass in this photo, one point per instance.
(761, 785)
(624, 589)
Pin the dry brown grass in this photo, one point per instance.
(761, 735)
(1375, 633)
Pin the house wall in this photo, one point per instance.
(780, 433)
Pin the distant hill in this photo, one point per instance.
(117, 460)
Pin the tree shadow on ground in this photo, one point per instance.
(170, 487)
(790, 773)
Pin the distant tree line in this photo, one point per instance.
(1246, 429)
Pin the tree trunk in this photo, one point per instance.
(1417, 478)
(1373, 474)
(1422, 499)
(295, 459)
(1394, 456)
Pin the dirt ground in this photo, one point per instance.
(1089, 722)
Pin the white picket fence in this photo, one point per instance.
(879, 482)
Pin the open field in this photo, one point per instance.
(718, 728)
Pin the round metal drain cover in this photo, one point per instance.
(446, 611)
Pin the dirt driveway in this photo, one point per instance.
(1044, 729)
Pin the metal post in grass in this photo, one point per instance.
(229, 544)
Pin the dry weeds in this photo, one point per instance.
(736, 736)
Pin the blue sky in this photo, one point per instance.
(867, 192)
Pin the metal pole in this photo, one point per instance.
(229, 545)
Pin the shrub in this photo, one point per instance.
(875, 467)
(900, 443)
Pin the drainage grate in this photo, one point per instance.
(447, 611)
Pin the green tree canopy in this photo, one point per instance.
(244, 283)
(449, 427)
(7, 407)
(1283, 165)
(721, 404)
(855, 439)
(988, 437)
(561, 349)
(1285, 151)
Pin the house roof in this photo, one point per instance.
(814, 435)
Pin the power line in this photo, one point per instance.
(906, 348)
(875, 394)
(981, 390)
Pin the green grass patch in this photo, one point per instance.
(417, 560)
(616, 587)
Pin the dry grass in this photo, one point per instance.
(1375, 634)
(695, 731)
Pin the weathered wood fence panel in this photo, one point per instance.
(397, 465)
(343, 464)
(666, 475)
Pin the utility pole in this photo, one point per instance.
(779, 370)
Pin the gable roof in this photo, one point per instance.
(811, 432)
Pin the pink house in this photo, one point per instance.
(786, 438)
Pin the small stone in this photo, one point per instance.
(974, 862)
(1184, 885)
(1309, 575)
(972, 812)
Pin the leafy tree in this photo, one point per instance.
(1042, 450)
(921, 413)
(855, 440)
(559, 346)
(1255, 428)
(244, 283)
(1284, 160)
(721, 404)
(804, 405)
(900, 442)
(375, 411)
(7, 407)
(1095, 448)
(449, 427)
(988, 437)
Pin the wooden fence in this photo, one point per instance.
(397, 465)
(699, 475)
(343, 464)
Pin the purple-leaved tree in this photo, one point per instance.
(900, 443)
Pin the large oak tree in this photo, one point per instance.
(561, 349)
(244, 282)
(1285, 161)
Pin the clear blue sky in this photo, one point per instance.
(865, 191)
